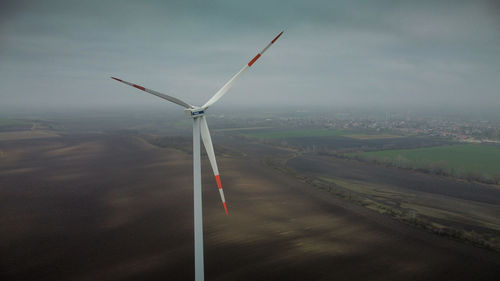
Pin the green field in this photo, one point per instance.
(12, 122)
(459, 160)
(295, 133)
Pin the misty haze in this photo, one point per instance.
(361, 143)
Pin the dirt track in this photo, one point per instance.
(116, 208)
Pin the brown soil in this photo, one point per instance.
(113, 207)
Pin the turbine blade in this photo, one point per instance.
(229, 84)
(207, 142)
(163, 96)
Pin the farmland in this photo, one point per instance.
(298, 133)
(459, 160)
(96, 203)
(463, 210)
(444, 205)
(113, 206)
(338, 140)
(318, 132)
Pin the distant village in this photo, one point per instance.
(465, 131)
(457, 128)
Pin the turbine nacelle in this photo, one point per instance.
(194, 112)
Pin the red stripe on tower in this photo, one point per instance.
(254, 59)
(217, 179)
(139, 87)
(276, 38)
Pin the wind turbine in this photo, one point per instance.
(200, 126)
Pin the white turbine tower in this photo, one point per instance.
(200, 126)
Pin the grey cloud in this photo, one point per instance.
(333, 52)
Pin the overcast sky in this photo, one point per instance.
(404, 53)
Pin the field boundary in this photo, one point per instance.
(408, 217)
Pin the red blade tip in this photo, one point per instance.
(276, 38)
(225, 208)
(116, 79)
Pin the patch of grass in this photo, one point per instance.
(460, 160)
